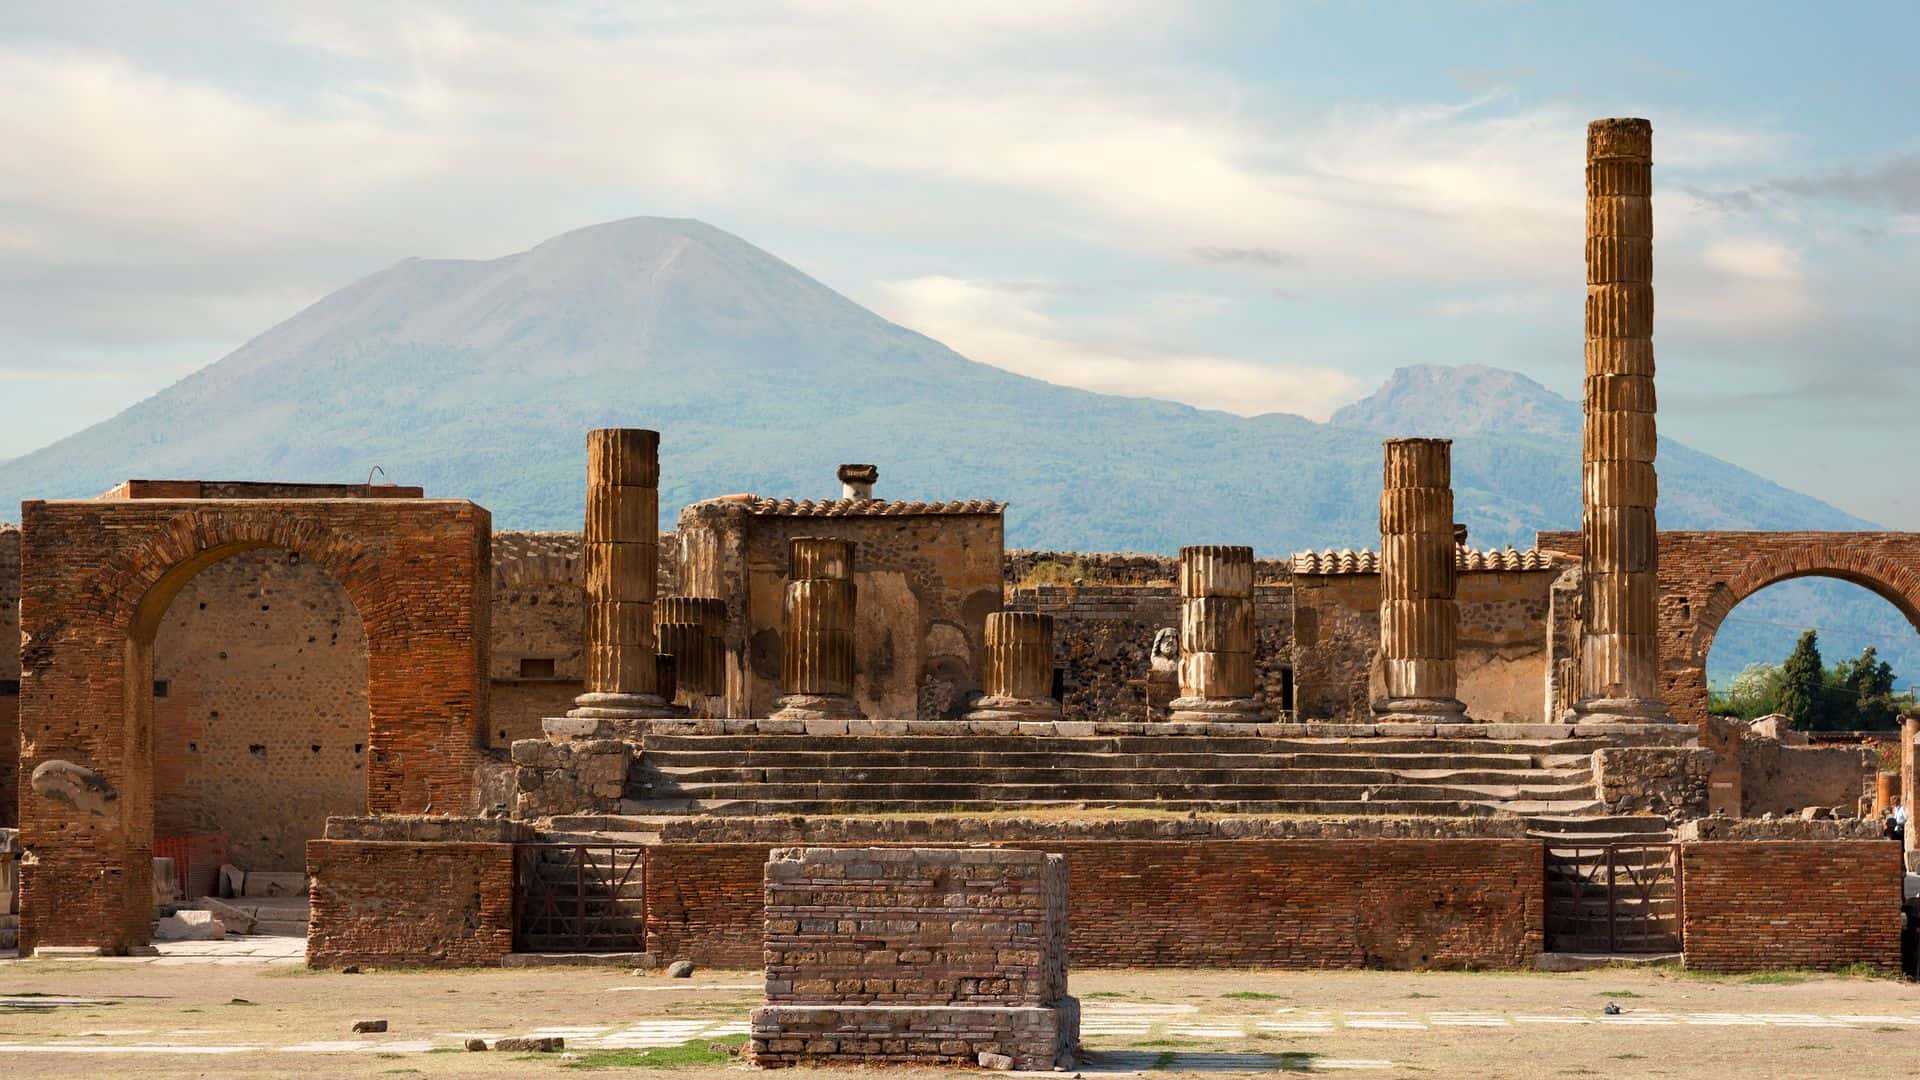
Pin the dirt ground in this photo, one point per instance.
(98, 1018)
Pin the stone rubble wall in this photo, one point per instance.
(1670, 780)
(583, 777)
(1753, 905)
(1777, 778)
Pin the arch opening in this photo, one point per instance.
(248, 683)
(1745, 642)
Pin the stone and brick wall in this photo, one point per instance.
(1778, 778)
(1103, 644)
(1750, 905)
(427, 904)
(1502, 660)
(1389, 903)
(926, 576)
(1704, 574)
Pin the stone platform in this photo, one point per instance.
(580, 728)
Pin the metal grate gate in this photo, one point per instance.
(579, 898)
(1613, 898)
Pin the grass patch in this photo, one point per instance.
(1252, 995)
(1775, 978)
(1294, 1061)
(1104, 994)
(1620, 994)
(689, 1053)
(1418, 994)
(1168, 1042)
(1164, 1061)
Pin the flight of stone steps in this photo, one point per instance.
(1629, 903)
(758, 774)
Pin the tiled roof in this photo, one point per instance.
(870, 507)
(1465, 558)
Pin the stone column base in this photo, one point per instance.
(1622, 711)
(1036, 1038)
(817, 707)
(1214, 710)
(994, 707)
(1419, 711)
(599, 706)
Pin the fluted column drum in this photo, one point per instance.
(1419, 619)
(1216, 635)
(704, 675)
(1619, 647)
(817, 666)
(1018, 675)
(620, 549)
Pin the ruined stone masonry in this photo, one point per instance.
(1620, 646)
(817, 667)
(620, 548)
(1419, 620)
(1019, 668)
(1216, 635)
(899, 955)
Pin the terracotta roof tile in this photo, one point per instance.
(1465, 558)
(870, 507)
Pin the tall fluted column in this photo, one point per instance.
(1216, 635)
(817, 670)
(1019, 669)
(621, 550)
(1619, 646)
(693, 629)
(1419, 620)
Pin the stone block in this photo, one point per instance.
(1418, 730)
(825, 727)
(189, 925)
(877, 727)
(570, 727)
(1078, 729)
(262, 883)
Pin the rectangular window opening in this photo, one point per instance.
(536, 667)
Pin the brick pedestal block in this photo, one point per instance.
(898, 955)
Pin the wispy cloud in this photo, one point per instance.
(1013, 330)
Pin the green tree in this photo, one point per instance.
(1865, 692)
(1750, 695)
(1803, 685)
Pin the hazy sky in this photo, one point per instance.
(1255, 207)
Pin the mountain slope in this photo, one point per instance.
(480, 379)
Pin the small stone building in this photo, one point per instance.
(926, 575)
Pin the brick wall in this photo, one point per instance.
(1213, 903)
(262, 732)
(1747, 905)
(421, 904)
(101, 577)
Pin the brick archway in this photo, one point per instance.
(98, 576)
(1703, 575)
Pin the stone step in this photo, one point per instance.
(1027, 758)
(1112, 744)
(1580, 828)
(678, 777)
(1059, 790)
(817, 807)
